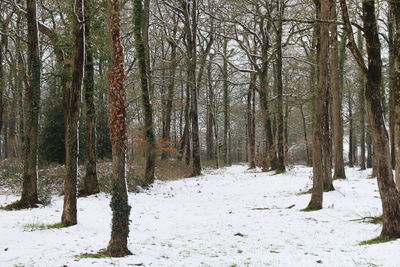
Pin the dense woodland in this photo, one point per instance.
(199, 83)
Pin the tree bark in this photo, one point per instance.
(395, 6)
(90, 184)
(280, 166)
(373, 76)
(166, 131)
(139, 20)
(250, 122)
(320, 113)
(361, 108)
(73, 102)
(32, 104)
(337, 93)
(118, 245)
(226, 103)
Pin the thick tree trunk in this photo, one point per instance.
(373, 75)
(118, 245)
(319, 138)
(190, 25)
(395, 6)
(337, 93)
(90, 183)
(139, 19)
(32, 104)
(69, 215)
(2, 75)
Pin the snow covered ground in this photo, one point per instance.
(229, 217)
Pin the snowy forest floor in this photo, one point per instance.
(227, 217)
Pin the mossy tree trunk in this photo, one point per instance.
(32, 104)
(139, 19)
(118, 245)
(90, 183)
(73, 103)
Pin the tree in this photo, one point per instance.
(90, 183)
(73, 102)
(337, 123)
(29, 196)
(373, 92)
(139, 20)
(320, 163)
(118, 245)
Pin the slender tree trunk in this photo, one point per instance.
(69, 215)
(166, 134)
(90, 184)
(305, 136)
(210, 116)
(337, 93)
(351, 131)
(118, 245)
(361, 109)
(226, 103)
(280, 166)
(319, 139)
(250, 124)
(139, 19)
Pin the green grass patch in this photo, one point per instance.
(41, 226)
(375, 241)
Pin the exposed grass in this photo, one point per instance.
(375, 241)
(40, 226)
(371, 219)
(99, 255)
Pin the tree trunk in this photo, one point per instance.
(210, 116)
(139, 19)
(351, 131)
(337, 93)
(32, 99)
(2, 74)
(69, 215)
(226, 102)
(361, 108)
(166, 131)
(190, 25)
(395, 6)
(90, 184)
(319, 138)
(373, 75)
(250, 122)
(280, 166)
(118, 245)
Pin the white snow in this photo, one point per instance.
(228, 217)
